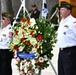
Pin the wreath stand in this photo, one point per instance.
(22, 55)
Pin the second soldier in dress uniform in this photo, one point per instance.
(67, 41)
(5, 35)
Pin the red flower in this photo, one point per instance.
(23, 69)
(16, 48)
(22, 39)
(39, 37)
(23, 19)
(19, 63)
(28, 43)
(36, 45)
(30, 68)
(16, 32)
(23, 33)
(10, 34)
(32, 33)
(43, 68)
(23, 27)
(38, 63)
(28, 21)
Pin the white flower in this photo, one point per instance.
(32, 21)
(27, 64)
(36, 27)
(33, 61)
(41, 59)
(25, 69)
(21, 48)
(34, 50)
(33, 41)
(16, 40)
(36, 70)
(20, 35)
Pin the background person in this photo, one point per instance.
(67, 41)
(35, 12)
(5, 55)
(45, 11)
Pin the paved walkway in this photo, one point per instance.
(48, 71)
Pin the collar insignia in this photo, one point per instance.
(4, 35)
(66, 26)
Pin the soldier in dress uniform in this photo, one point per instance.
(5, 36)
(67, 41)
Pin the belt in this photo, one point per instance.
(4, 49)
(67, 47)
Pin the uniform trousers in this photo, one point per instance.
(5, 62)
(67, 61)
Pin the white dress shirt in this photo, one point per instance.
(67, 32)
(4, 37)
(45, 12)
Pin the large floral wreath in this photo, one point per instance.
(33, 36)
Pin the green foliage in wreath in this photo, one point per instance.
(30, 35)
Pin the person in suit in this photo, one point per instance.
(35, 12)
(67, 41)
(5, 35)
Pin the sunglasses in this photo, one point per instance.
(3, 18)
